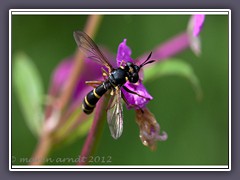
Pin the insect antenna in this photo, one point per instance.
(147, 61)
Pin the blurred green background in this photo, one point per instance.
(197, 130)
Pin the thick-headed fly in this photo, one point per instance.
(114, 81)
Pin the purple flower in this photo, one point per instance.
(194, 28)
(148, 126)
(198, 24)
(124, 54)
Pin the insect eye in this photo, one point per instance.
(134, 78)
(136, 68)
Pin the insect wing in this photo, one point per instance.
(115, 115)
(87, 45)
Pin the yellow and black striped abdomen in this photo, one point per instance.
(92, 98)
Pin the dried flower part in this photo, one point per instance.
(149, 128)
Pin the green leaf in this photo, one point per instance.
(174, 67)
(29, 90)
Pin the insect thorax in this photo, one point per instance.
(118, 77)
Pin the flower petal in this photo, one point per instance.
(194, 28)
(62, 72)
(198, 23)
(124, 53)
(195, 24)
(167, 49)
(134, 100)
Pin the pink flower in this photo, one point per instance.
(124, 54)
(198, 21)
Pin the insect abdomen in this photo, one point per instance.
(92, 98)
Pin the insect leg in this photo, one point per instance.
(132, 92)
(105, 73)
(93, 83)
(109, 69)
(122, 62)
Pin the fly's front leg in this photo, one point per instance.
(122, 62)
(132, 92)
(109, 69)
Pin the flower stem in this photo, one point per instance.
(95, 132)
(45, 142)
(90, 28)
(42, 150)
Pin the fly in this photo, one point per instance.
(114, 80)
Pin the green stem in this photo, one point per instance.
(95, 132)
(42, 150)
(45, 141)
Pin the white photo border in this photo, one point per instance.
(119, 12)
